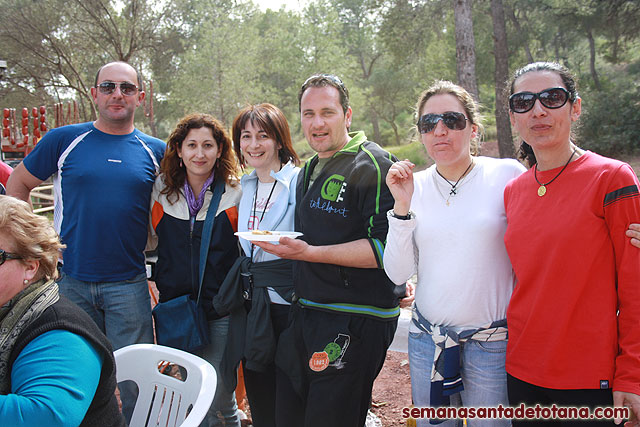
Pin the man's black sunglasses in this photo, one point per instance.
(126, 88)
(6, 255)
(451, 119)
(553, 98)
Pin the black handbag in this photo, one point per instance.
(181, 322)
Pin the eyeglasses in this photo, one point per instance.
(553, 98)
(6, 255)
(451, 119)
(126, 88)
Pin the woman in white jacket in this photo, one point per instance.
(262, 140)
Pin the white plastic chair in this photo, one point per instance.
(164, 400)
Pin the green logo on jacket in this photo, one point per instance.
(332, 188)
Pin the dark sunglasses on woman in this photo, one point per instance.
(6, 255)
(126, 88)
(451, 119)
(553, 98)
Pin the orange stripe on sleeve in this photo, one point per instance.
(157, 211)
(232, 214)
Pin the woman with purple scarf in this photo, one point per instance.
(199, 155)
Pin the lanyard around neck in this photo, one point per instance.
(266, 205)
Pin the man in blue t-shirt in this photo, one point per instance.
(103, 173)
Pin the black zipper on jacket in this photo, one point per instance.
(343, 275)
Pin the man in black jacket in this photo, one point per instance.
(346, 312)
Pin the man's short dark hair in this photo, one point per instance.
(322, 80)
(138, 75)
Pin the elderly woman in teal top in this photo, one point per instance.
(262, 140)
(56, 367)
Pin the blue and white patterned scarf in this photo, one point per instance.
(445, 373)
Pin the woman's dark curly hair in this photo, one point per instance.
(226, 167)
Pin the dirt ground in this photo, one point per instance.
(392, 390)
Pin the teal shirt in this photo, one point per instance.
(53, 381)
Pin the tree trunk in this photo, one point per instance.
(148, 111)
(221, 93)
(592, 60)
(501, 54)
(518, 28)
(396, 134)
(86, 113)
(465, 47)
(377, 136)
(615, 46)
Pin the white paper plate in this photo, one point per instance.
(274, 237)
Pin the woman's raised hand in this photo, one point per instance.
(400, 182)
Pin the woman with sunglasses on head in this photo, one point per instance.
(198, 161)
(56, 366)
(451, 218)
(262, 141)
(574, 317)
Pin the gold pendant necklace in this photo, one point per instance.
(542, 190)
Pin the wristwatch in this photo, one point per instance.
(392, 213)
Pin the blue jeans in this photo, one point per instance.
(482, 371)
(223, 410)
(122, 310)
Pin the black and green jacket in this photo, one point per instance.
(347, 201)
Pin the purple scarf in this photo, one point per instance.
(196, 204)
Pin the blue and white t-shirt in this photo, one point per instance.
(102, 186)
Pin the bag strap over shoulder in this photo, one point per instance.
(207, 229)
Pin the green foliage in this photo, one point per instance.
(303, 149)
(483, 34)
(217, 55)
(54, 48)
(414, 152)
(218, 72)
(282, 64)
(610, 124)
